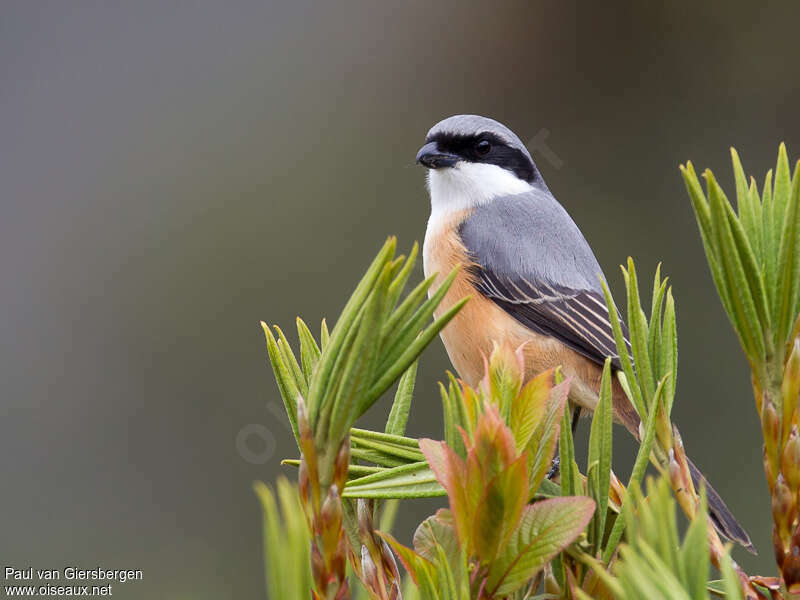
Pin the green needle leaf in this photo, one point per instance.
(410, 328)
(411, 353)
(637, 323)
(286, 382)
(749, 215)
(789, 260)
(600, 447)
(694, 556)
(398, 416)
(566, 455)
(291, 362)
(783, 184)
(350, 313)
(415, 480)
(409, 304)
(750, 264)
(361, 360)
(744, 314)
(622, 351)
(668, 354)
(400, 280)
(324, 336)
(309, 351)
(639, 468)
(702, 212)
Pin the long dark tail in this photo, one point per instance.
(724, 521)
(722, 518)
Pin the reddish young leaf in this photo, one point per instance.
(451, 471)
(492, 446)
(504, 376)
(542, 444)
(499, 509)
(545, 529)
(420, 568)
(436, 538)
(487, 491)
(529, 407)
(438, 529)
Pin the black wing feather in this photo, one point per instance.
(578, 318)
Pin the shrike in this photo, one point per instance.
(532, 276)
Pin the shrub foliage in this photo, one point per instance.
(516, 527)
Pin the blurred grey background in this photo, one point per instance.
(173, 172)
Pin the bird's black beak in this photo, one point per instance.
(430, 156)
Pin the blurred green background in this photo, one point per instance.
(173, 172)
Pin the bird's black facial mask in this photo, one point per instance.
(486, 148)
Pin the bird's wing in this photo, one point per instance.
(531, 259)
(578, 318)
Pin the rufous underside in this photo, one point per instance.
(470, 336)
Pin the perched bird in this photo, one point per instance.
(532, 276)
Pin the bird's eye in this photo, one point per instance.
(483, 147)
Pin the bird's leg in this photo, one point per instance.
(556, 466)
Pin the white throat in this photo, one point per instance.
(467, 185)
(462, 187)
